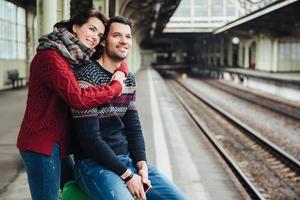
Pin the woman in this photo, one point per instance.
(43, 139)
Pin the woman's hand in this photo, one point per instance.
(120, 77)
(135, 187)
(123, 67)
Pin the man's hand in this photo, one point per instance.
(143, 172)
(135, 187)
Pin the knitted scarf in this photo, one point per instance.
(68, 44)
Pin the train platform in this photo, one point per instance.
(174, 144)
(281, 84)
(283, 77)
(288, 77)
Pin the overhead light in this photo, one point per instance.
(156, 7)
(151, 33)
(235, 40)
(153, 25)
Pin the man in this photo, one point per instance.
(110, 157)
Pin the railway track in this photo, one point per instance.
(264, 169)
(272, 104)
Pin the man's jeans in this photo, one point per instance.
(103, 184)
(44, 173)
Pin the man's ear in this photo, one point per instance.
(75, 28)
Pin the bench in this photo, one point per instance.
(15, 79)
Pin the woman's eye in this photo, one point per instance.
(100, 35)
(92, 29)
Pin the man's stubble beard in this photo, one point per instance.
(116, 56)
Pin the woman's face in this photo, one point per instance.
(90, 33)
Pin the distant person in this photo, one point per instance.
(110, 161)
(44, 137)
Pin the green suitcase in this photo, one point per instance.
(72, 191)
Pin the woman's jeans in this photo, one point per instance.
(44, 173)
(103, 184)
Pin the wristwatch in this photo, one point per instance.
(128, 178)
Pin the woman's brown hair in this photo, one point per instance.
(81, 18)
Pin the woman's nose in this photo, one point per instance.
(95, 36)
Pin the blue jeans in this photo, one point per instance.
(44, 173)
(103, 184)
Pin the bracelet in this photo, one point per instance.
(128, 178)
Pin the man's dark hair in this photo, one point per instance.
(81, 18)
(117, 19)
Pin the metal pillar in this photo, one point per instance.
(275, 56)
(264, 53)
(229, 54)
(30, 40)
(222, 53)
(102, 5)
(63, 10)
(241, 53)
(46, 15)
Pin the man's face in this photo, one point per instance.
(118, 41)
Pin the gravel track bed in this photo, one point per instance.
(253, 160)
(282, 131)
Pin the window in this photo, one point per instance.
(217, 8)
(184, 9)
(201, 8)
(12, 31)
(230, 9)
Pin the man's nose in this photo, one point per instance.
(123, 40)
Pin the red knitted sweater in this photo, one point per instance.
(52, 90)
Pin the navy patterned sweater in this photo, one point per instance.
(111, 129)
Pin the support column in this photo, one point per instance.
(246, 56)
(30, 45)
(63, 10)
(46, 15)
(229, 53)
(264, 53)
(147, 58)
(178, 58)
(209, 55)
(215, 54)
(102, 5)
(222, 53)
(241, 54)
(275, 56)
(117, 7)
(134, 57)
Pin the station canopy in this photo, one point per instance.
(200, 16)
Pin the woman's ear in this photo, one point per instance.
(75, 27)
(102, 43)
